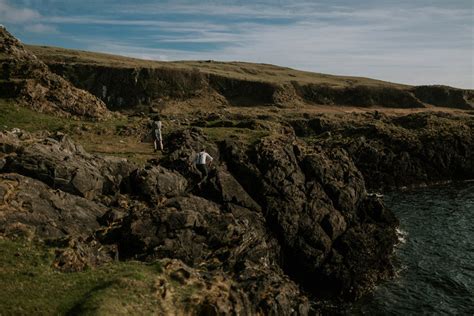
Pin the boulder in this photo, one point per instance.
(155, 181)
(32, 209)
(62, 164)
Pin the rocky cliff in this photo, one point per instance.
(124, 82)
(277, 220)
(401, 151)
(28, 80)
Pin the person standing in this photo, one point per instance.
(201, 160)
(157, 137)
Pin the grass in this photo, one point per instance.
(245, 135)
(12, 116)
(95, 137)
(31, 286)
(106, 137)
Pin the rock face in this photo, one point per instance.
(27, 79)
(316, 205)
(58, 162)
(393, 152)
(274, 218)
(31, 208)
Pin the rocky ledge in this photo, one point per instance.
(279, 228)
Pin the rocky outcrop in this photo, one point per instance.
(358, 95)
(312, 202)
(28, 80)
(30, 208)
(445, 96)
(63, 165)
(153, 86)
(275, 219)
(128, 87)
(399, 151)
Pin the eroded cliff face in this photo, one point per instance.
(128, 86)
(28, 80)
(274, 218)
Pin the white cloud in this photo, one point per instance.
(10, 14)
(406, 43)
(40, 28)
(384, 50)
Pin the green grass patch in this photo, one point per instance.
(12, 115)
(96, 137)
(30, 285)
(245, 135)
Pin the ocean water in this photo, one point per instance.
(435, 256)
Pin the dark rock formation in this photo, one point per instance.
(445, 96)
(28, 80)
(30, 208)
(273, 217)
(58, 162)
(311, 202)
(408, 150)
(155, 181)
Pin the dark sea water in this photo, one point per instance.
(435, 257)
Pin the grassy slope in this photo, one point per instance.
(238, 70)
(30, 285)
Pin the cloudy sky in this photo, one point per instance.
(407, 41)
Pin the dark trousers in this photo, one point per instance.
(203, 170)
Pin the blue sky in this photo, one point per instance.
(414, 42)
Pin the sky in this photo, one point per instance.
(413, 42)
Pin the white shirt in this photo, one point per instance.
(157, 125)
(202, 158)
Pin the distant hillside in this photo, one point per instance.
(238, 70)
(123, 82)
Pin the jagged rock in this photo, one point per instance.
(156, 181)
(60, 163)
(408, 150)
(200, 234)
(272, 216)
(310, 202)
(28, 79)
(224, 189)
(42, 211)
(183, 147)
